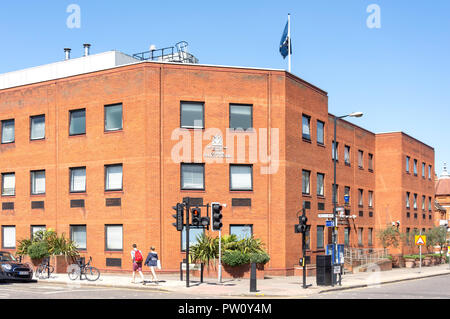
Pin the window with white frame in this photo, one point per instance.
(370, 198)
(8, 135)
(114, 237)
(38, 182)
(8, 184)
(9, 237)
(306, 183)
(241, 177)
(306, 127)
(77, 179)
(320, 184)
(78, 236)
(37, 130)
(192, 176)
(113, 177)
(113, 117)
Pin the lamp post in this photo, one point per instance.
(334, 235)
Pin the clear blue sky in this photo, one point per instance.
(398, 75)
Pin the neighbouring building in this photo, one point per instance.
(443, 197)
(102, 146)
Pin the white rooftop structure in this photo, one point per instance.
(65, 68)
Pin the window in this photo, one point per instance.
(306, 132)
(408, 231)
(429, 204)
(192, 176)
(194, 233)
(8, 184)
(320, 132)
(429, 171)
(78, 179)
(347, 236)
(335, 150)
(8, 237)
(360, 159)
(320, 232)
(370, 198)
(415, 201)
(370, 235)
(241, 117)
(370, 162)
(37, 131)
(415, 167)
(423, 202)
(347, 155)
(36, 228)
(37, 182)
(241, 231)
(347, 193)
(77, 125)
(407, 164)
(113, 117)
(423, 170)
(360, 236)
(8, 131)
(407, 199)
(78, 236)
(360, 197)
(306, 182)
(114, 237)
(192, 114)
(241, 177)
(320, 184)
(113, 177)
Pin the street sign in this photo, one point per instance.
(420, 240)
(325, 215)
(337, 269)
(329, 223)
(340, 209)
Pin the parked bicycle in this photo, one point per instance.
(80, 268)
(44, 270)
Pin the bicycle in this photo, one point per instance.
(44, 270)
(91, 273)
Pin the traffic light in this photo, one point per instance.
(301, 227)
(216, 216)
(196, 216)
(178, 216)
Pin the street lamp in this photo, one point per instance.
(334, 237)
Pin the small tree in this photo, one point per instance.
(389, 237)
(437, 236)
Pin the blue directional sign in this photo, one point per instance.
(329, 223)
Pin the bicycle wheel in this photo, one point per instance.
(92, 273)
(73, 271)
(52, 269)
(42, 272)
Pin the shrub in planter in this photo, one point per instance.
(235, 258)
(38, 250)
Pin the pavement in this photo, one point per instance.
(269, 287)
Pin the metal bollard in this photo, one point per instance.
(253, 278)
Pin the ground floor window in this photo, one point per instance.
(114, 237)
(8, 237)
(78, 235)
(320, 230)
(194, 234)
(241, 231)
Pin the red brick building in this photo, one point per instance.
(103, 154)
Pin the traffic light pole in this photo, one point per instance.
(220, 257)
(187, 243)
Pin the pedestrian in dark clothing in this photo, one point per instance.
(152, 262)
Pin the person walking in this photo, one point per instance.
(152, 262)
(137, 259)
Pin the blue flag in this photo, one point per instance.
(285, 41)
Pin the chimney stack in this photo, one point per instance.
(86, 49)
(67, 51)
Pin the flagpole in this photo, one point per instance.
(289, 41)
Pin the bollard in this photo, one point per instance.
(253, 277)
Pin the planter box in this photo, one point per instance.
(242, 271)
(410, 263)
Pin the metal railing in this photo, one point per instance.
(364, 256)
(177, 53)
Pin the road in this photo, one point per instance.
(429, 288)
(426, 288)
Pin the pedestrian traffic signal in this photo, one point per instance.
(216, 216)
(178, 216)
(196, 216)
